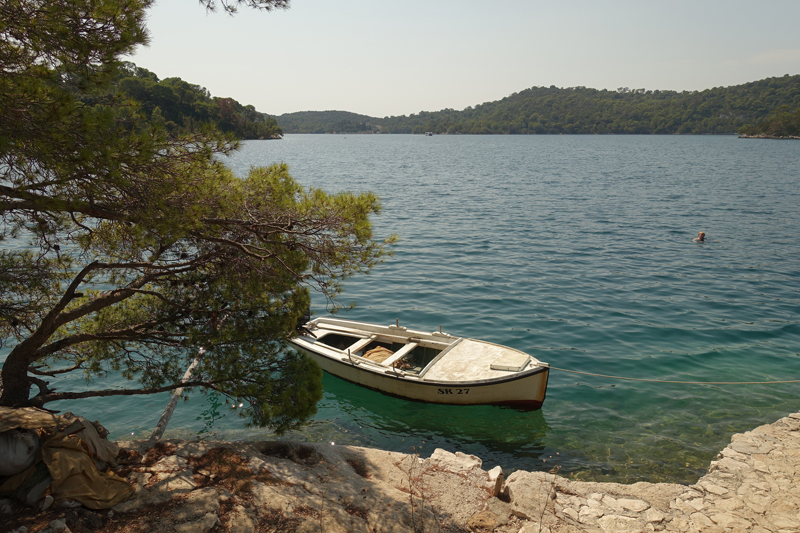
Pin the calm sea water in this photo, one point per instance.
(577, 250)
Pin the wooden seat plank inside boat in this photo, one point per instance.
(362, 343)
(401, 353)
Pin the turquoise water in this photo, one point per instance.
(578, 250)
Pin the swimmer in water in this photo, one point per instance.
(701, 237)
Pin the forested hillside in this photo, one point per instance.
(184, 108)
(327, 122)
(783, 123)
(580, 110)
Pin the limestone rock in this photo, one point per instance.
(495, 482)
(621, 524)
(482, 520)
(269, 497)
(713, 489)
(198, 503)
(653, 515)
(202, 525)
(534, 528)
(177, 482)
(637, 506)
(170, 463)
(572, 513)
(589, 515)
(500, 509)
(238, 521)
(750, 487)
(529, 494)
(458, 463)
(57, 526)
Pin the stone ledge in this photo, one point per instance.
(292, 486)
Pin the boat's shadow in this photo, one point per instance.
(350, 414)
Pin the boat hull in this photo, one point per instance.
(522, 390)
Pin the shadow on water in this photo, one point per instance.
(498, 435)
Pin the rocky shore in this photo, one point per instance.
(765, 136)
(181, 486)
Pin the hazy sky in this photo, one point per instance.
(380, 57)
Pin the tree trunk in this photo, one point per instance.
(14, 381)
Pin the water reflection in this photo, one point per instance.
(498, 435)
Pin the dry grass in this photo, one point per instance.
(355, 510)
(274, 522)
(78, 520)
(155, 517)
(221, 467)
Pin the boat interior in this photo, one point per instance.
(411, 356)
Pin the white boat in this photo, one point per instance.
(429, 367)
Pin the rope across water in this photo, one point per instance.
(677, 382)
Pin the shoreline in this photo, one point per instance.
(773, 137)
(187, 486)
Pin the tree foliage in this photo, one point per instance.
(130, 248)
(581, 110)
(328, 122)
(232, 6)
(182, 107)
(783, 123)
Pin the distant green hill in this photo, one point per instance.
(326, 122)
(579, 110)
(184, 107)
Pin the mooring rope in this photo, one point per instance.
(677, 382)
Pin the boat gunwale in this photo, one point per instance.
(380, 370)
(389, 331)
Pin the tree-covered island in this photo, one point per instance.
(579, 110)
(128, 248)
